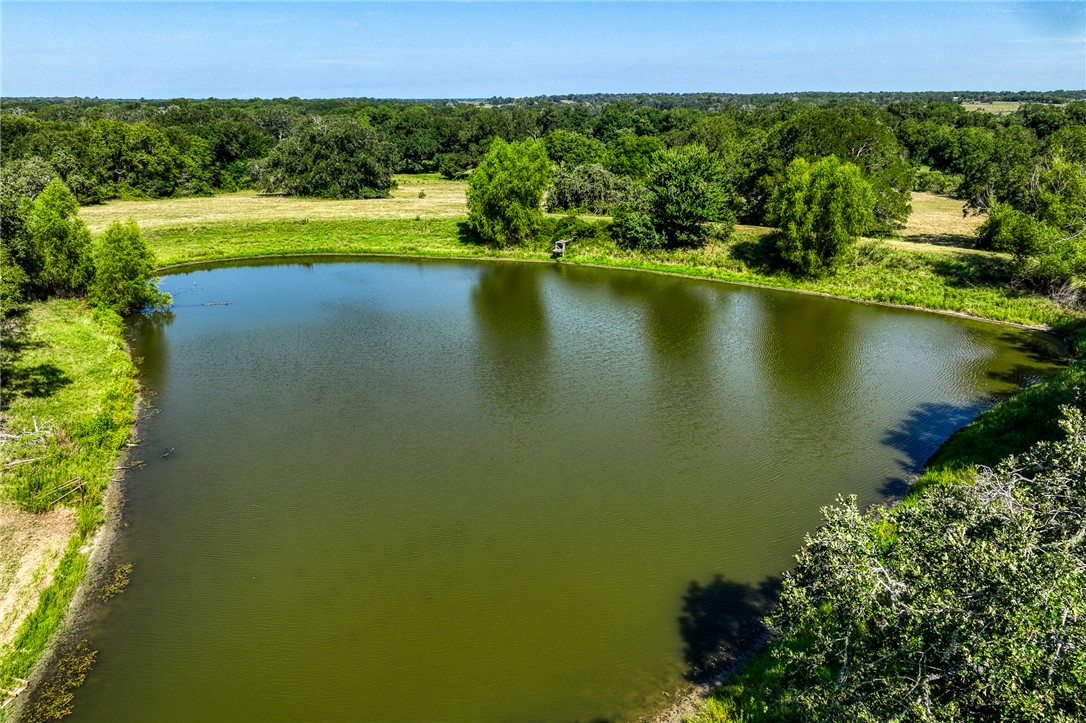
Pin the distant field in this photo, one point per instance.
(933, 264)
(999, 107)
(442, 199)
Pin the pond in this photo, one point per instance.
(393, 490)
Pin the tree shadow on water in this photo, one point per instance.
(722, 619)
(920, 434)
(1038, 346)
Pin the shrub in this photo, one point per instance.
(633, 229)
(124, 271)
(937, 182)
(820, 209)
(506, 191)
(587, 188)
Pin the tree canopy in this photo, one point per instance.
(330, 158)
(505, 193)
(124, 271)
(820, 210)
(688, 190)
(967, 604)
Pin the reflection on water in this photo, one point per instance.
(513, 332)
(480, 492)
(808, 350)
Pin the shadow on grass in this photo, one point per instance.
(466, 235)
(20, 379)
(960, 241)
(37, 380)
(760, 254)
(970, 270)
(721, 619)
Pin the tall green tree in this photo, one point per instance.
(124, 278)
(688, 189)
(631, 155)
(506, 190)
(61, 243)
(572, 149)
(821, 209)
(854, 136)
(330, 158)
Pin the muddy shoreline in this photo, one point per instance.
(87, 601)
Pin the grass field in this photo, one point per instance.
(999, 107)
(440, 199)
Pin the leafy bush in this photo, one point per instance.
(454, 166)
(937, 182)
(1043, 258)
(506, 190)
(573, 228)
(968, 604)
(124, 279)
(588, 188)
(633, 229)
(820, 209)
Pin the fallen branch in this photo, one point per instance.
(15, 462)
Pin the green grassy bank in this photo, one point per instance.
(67, 374)
(958, 281)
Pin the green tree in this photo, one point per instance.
(124, 278)
(589, 188)
(505, 191)
(688, 189)
(330, 158)
(572, 149)
(853, 136)
(969, 603)
(60, 243)
(631, 155)
(820, 209)
(139, 159)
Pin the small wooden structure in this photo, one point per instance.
(559, 248)
(9, 696)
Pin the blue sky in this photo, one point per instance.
(480, 49)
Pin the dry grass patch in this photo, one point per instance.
(31, 546)
(998, 107)
(426, 196)
(939, 222)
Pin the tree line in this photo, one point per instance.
(671, 170)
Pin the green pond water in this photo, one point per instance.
(450, 491)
